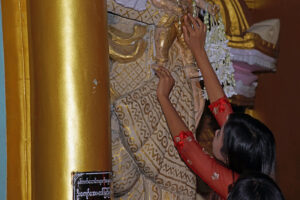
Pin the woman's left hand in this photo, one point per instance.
(166, 82)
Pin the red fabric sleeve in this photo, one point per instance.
(221, 109)
(218, 177)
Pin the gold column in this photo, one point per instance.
(70, 93)
(15, 40)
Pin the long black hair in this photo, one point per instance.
(255, 186)
(248, 145)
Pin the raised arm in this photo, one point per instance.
(165, 85)
(194, 35)
(218, 177)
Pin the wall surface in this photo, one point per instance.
(2, 119)
(278, 94)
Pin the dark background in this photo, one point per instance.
(278, 94)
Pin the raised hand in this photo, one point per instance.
(194, 32)
(166, 82)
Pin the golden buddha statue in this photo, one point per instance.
(138, 39)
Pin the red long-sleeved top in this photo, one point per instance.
(217, 176)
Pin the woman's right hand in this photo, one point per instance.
(195, 35)
(166, 82)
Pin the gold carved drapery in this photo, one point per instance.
(236, 26)
(145, 163)
(148, 141)
(125, 47)
(233, 15)
(60, 108)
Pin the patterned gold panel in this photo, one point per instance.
(147, 136)
(151, 15)
(122, 163)
(125, 77)
(144, 141)
(137, 192)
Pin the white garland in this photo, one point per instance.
(218, 54)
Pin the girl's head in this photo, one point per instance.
(245, 144)
(255, 186)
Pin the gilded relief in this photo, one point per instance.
(145, 163)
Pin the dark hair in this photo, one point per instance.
(248, 145)
(255, 186)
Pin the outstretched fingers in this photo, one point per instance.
(187, 25)
(194, 22)
(202, 26)
(158, 72)
(161, 72)
(166, 82)
(185, 35)
(199, 22)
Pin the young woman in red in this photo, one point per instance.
(242, 144)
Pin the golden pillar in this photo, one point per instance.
(60, 108)
(70, 93)
(15, 41)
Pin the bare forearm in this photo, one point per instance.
(174, 121)
(212, 84)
